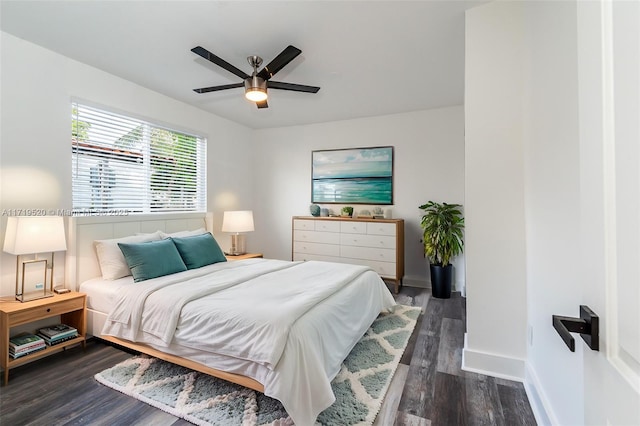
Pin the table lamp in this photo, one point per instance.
(237, 221)
(34, 235)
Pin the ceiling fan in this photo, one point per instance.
(256, 84)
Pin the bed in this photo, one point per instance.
(279, 327)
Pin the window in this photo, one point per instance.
(128, 165)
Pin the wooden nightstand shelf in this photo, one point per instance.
(243, 256)
(70, 307)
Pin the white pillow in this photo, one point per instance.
(181, 234)
(112, 262)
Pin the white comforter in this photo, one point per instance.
(286, 316)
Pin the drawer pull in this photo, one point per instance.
(48, 309)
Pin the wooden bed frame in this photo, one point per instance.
(230, 377)
(82, 264)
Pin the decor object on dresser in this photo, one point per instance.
(30, 235)
(442, 226)
(377, 243)
(347, 211)
(237, 221)
(356, 175)
(362, 383)
(314, 209)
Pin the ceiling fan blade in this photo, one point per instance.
(286, 56)
(262, 104)
(201, 51)
(290, 86)
(216, 88)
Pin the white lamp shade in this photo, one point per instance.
(29, 235)
(237, 221)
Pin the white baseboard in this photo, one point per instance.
(492, 364)
(512, 369)
(537, 399)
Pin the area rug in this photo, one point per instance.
(359, 387)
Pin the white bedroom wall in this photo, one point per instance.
(521, 102)
(35, 155)
(428, 162)
(553, 213)
(494, 191)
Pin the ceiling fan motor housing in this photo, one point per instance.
(255, 84)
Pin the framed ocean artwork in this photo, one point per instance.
(352, 176)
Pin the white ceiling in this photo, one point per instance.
(369, 57)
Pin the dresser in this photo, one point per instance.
(377, 243)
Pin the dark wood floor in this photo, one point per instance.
(429, 388)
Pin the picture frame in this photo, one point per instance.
(352, 176)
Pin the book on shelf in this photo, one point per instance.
(25, 348)
(25, 344)
(58, 340)
(57, 331)
(25, 340)
(16, 355)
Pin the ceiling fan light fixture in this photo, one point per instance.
(255, 89)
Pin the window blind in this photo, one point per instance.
(124, 165)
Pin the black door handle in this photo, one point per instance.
(588, 325)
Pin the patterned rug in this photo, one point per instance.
(359, 387)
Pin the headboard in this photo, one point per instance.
(81, 261)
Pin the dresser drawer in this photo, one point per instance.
(302, 224)
(382, 255)
(381, 229)
(50, 310)
(327, 226)
(360, 240)
(316, 248)
(353, 227)
(309, 256)
(317, 237)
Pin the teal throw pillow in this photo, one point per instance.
(152, 259)
(199, 250)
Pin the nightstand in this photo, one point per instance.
(243, 256)
(69, 306)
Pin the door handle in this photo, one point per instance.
(588, 325)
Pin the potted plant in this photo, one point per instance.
(442, 226)
(347, 211)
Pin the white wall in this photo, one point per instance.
(35, 154)
(552, 174)
(494, 191)
(428, 162)
(523, 216)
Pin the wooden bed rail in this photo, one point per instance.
(230, 377)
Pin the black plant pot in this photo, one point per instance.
(441, 278)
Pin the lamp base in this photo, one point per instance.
(35, 295)
(237, 245)
(33, 276)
